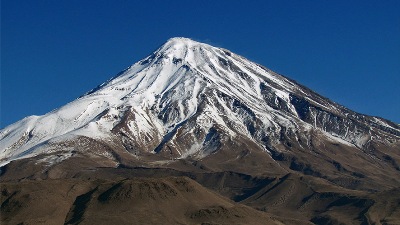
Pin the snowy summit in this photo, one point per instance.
(189, 99)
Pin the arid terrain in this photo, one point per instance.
(194, 134)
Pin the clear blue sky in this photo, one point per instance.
(54, 51)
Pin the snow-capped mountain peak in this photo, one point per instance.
(190, 99)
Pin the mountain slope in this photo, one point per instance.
(129, 201)
(189, 101)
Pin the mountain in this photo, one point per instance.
(189, 109)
